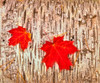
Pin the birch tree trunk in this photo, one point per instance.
(77, 20)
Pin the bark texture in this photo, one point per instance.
(78, 20)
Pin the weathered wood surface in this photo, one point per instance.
(79, 20)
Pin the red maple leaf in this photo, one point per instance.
(19, 35)
(58, 52)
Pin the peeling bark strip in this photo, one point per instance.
(77, 20)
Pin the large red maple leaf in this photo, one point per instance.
(58, 52)
(19, 35)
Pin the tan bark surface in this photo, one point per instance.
(78, 20)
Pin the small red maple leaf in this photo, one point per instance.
(58, 52)
(19, 35)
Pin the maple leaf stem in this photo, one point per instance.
(76, 58)
(54, 35)
(19, 0)
(61, 34)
